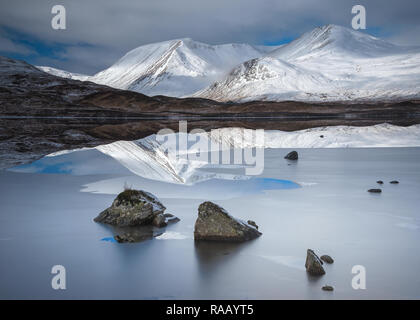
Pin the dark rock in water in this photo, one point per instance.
(159, 221)
(170, 218)
(321, 136)
(252, 223)
(326, 258)
(214, 223)
(292, 156)
(375, 190)
(379, 182)
(327, 288)
(136, 235)
(173, 220)
(134, 208)
(313, 264)
(124, 238)
(394, 182)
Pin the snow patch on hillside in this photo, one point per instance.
(63, 73)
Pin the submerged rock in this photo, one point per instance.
(328, 288)
(375, 190)
(123, 238)
(326, 258)
(214, 223)
(394, 182)
(313, 264)
(134, 208)
(136, 235)
(292, 156)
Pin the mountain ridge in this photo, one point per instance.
(327, 64)
(175, 68)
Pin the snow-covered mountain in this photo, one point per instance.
(330, 63)
(175, 68)
(335, 40)
(63, 73)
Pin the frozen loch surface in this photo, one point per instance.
(319, 202)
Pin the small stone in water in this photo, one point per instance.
(326, 258)
(327, 288)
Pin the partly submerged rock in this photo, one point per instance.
(252, 223)
(379, 182)
(159, 221)
(123, 238)
(214, 223)
(326, 258)
(170, 218)
(328, 288)
(394, 182)
(313, 264)
(134, 208)
(136, 235)
(292, 156)
(375, 190)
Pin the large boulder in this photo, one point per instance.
(313, 264)
(292, 156)
(214, 223)
(134, 208)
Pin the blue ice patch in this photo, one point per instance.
(274, 184)
(43, 166)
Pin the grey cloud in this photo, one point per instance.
(110, 28)
(7, 45)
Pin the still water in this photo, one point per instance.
(320, 202)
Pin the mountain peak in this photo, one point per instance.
(329, 62)
(177, 67)
(334, 38)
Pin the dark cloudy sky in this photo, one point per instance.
(100, 31)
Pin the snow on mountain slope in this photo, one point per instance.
(258, 79)
(336, 40)
(63, 73)
(330, 63)
(175, 68)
